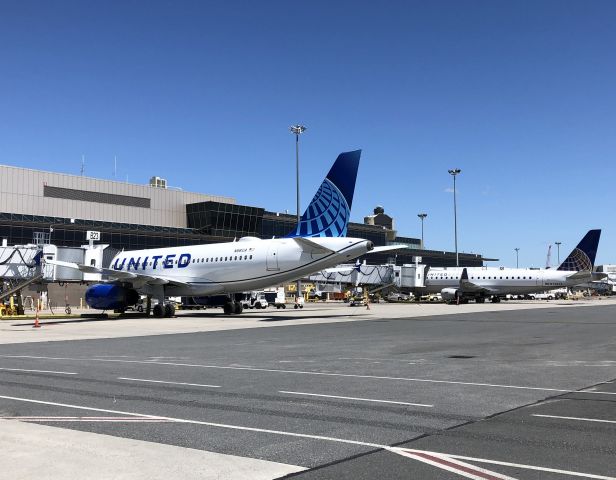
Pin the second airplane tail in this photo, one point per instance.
(328, 213)
(583, 256)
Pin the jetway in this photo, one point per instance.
(22, 265)
(401, 277)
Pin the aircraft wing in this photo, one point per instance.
(467, 286)
(118, 275)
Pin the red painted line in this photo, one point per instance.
(454, 465)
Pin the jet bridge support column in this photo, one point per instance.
(20, 305)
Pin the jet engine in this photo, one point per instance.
(450, 294)
(107, 296)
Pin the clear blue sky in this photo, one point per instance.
(520, 95)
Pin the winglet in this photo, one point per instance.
(329, 212)
(583, 256)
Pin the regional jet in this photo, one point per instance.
(317, 242)
(478, 283)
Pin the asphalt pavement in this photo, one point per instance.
(500, 394)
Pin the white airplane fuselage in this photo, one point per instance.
(502, 281)
(248, 264)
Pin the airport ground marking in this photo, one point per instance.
(308, 436)
(85, 419)
(299, 372)
(170, 383)
(596, 392)
(450, 464)
(409, 361)
(580, 419)
(532, 467)
(36, 371)
(207, 424)
(357, 398)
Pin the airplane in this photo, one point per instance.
(478, 283)
(317, 242)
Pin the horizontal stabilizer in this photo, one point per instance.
(596, 276)
(387, 248)
(583, 275)
(310, 246)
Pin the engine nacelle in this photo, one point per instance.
(106, 296)
(450, 294)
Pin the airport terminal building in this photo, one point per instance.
(45, 207)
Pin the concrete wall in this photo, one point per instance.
(21, 191)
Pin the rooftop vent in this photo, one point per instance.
(158, 182)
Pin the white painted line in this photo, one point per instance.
(409, 361)
(533, 467)
(170, 383)
(575, 418)
(37, 371)
(356, 398)
(87, 419)
(302, 435)
(594, 392)
(300, 372)
(208, 424)
(448, 463)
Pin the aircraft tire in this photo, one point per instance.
(228, 308)
(169, 310)
(158, 311)
(237, 308)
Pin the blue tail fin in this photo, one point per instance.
(583, 256)
(328, 213)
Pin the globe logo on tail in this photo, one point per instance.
(577, 261)
(327, 215)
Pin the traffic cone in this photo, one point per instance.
(36, 319)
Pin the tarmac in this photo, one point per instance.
(509, 390)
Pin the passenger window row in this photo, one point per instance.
(221, 259)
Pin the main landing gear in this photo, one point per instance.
(167, 310)
(233, 308)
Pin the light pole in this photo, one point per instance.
(297, 130)
(558, 244)
(422, 216)
(455, 172)
(517, 265)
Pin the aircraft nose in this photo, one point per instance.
(369, 245)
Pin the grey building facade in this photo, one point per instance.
(60, 208)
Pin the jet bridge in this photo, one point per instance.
(401, 277)
(24, 265)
